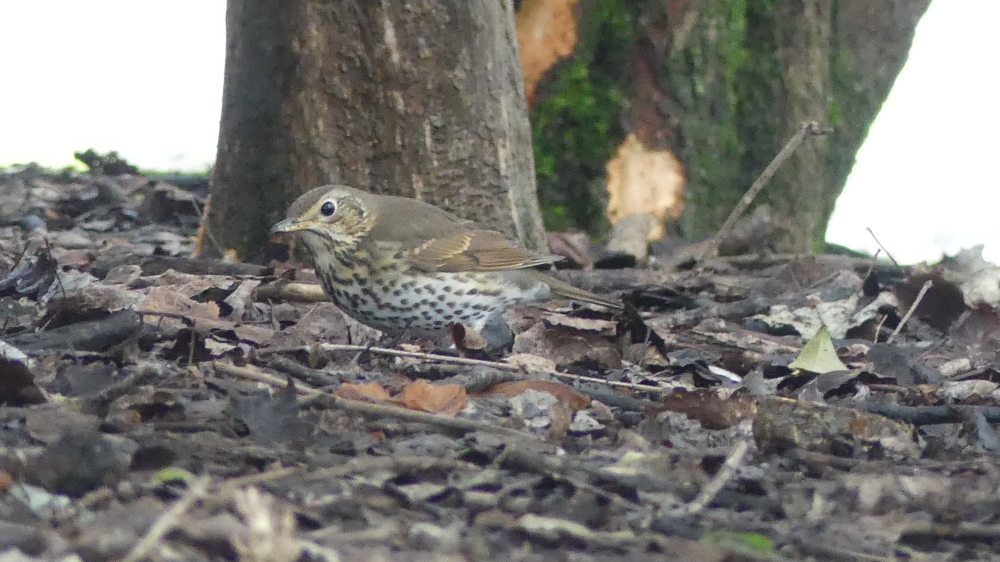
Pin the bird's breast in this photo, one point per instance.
(388, 295)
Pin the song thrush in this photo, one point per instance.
(402, 265)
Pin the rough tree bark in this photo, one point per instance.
(723, 84)
(421, 98)
(754, 71)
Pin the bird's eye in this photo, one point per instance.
(328, 208)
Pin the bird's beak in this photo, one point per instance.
(288, 226)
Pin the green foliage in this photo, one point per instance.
(576, 120)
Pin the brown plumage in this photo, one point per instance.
(401, 264)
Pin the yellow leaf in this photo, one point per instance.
(819, 355)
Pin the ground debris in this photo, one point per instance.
(156, 406)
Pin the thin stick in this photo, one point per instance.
(913, 308)
(168, 520)
(371, 410)
(481, 363)
(892, 259)
(810, 128)
(878, 327)
(715, 485)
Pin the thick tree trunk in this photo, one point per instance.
(421, 98)
(723, 84)
(750, 72)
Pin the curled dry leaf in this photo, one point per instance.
(565, 346)
(166, 299)
(531, 362)
(368, 392)
(444, 399)
(642, 181)
(562, 392)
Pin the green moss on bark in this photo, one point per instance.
(577, 119)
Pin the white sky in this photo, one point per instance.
(145, 79)
(926, 180)
(140, 77)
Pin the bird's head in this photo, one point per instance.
(331, 215)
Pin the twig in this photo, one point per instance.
(715, 485)
(376, 410)
(262, 377)
(875, 238)
(810, 128)
(878, 327)
(465, 361)
(354, 466)
(913, 308)
(168, 519)
(456, 424)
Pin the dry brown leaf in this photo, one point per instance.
(191, 284)
(567, 346)
(644, 181)
(531, 362)
(562, 392)
(709, 408)
(782, 424)
(444, 399)
(97, 297)
(546, 32)
(368, 392)
(166, 299)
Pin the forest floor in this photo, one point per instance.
(159, 407)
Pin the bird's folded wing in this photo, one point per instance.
(474, 250)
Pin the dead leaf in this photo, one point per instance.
(562, 392)
(368, 392)
(444, 399)
(709, 408)
(530, 362)
(644, 181)
(819, 355)
(782, 424)
(97, 298)
(166, 299)
(49, 424)
(566, 346)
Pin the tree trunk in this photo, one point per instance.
(722, 84)
(752, 71)
(421, 98)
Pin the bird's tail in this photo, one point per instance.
(565, 290)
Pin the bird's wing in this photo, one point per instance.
(474, 250)
(436, 240)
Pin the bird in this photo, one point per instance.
(403, 266)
